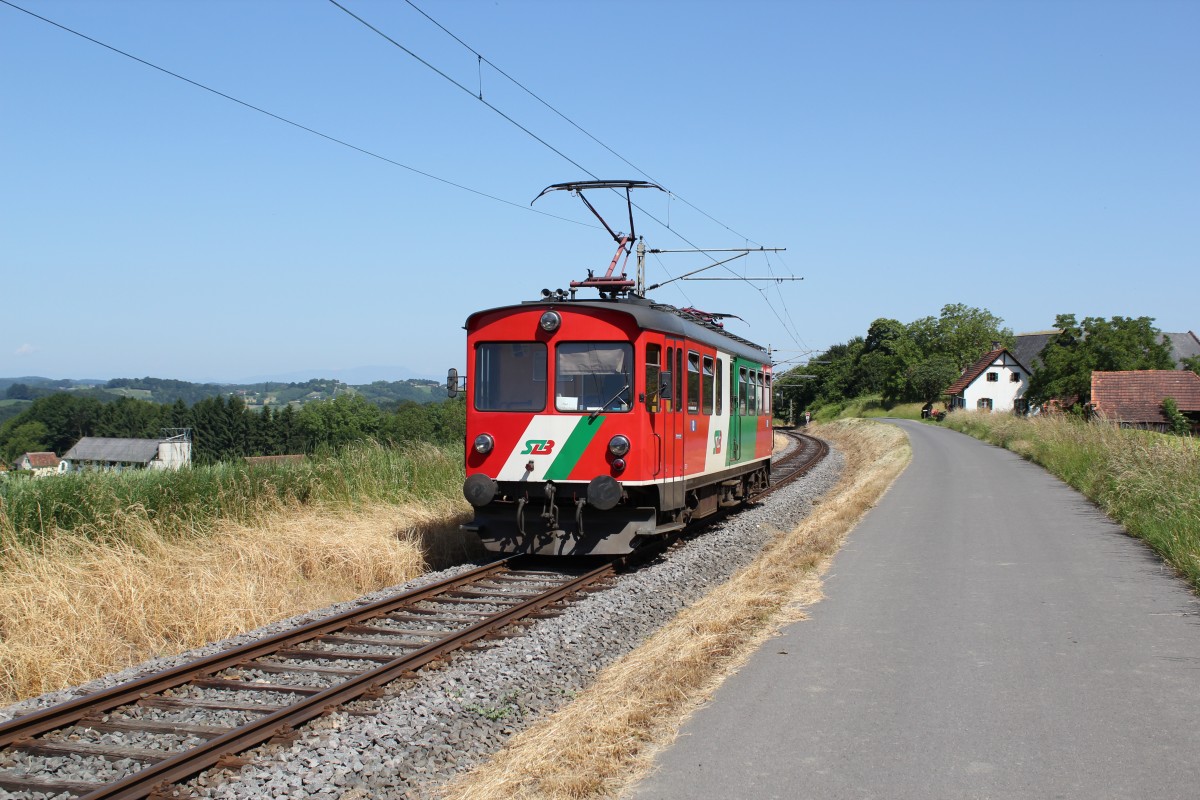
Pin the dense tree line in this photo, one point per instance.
(224, 428)
(896, 361)
(917, 361)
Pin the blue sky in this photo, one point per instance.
(1033, 158)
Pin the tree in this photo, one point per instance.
(1193, 364)
(964, 334)
(338, 422)
(19, 391)
(1177, 423)
(930, 377)
(28, 437)
(1096, 344)
(67, 417)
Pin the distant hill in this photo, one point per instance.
(352, 376)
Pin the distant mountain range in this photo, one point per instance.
(273, 390)
(351, 375)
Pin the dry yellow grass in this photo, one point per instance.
(75, 608)
(605, 739)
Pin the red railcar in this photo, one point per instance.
(596, 425)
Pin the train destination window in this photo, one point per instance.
(706, 391)
(593, 376)
(510, 376)
(693, 386)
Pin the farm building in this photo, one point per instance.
(100, 453)
(38, 463)
(1134, 399)
(996, 382)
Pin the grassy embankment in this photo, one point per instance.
(597, 744)
(101, 571)
(1149, 482)
(868, 407)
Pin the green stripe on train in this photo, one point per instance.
(581, 436)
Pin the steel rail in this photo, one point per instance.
(808, 457)
(73, 711)
(177, 768)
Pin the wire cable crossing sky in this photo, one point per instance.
(1031, 159)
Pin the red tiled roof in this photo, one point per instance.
(42, 460)
(1137, 395)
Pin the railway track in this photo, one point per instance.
(269, 687)
(174, 724)
(796, 461)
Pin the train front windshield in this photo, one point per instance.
(593, 376)
(510, 376)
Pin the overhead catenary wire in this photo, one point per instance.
(287, 121)
(480, 58)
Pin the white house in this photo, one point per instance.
(996, 382)
(39, 464)
(96, 452)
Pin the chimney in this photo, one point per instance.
(996, 345)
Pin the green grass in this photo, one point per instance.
(187, 502)
(866, 407)
(1149, 482)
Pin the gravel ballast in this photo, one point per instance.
(451, 717)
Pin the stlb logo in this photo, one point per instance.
(717, 443)
(538, 447)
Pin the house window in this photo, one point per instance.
(984, 404)
(993, 377)
(1014, 377)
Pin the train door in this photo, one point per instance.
(667, 417)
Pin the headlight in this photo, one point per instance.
(550, 321)
(618, 445)
(484, 444)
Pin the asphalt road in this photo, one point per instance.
(986, 633)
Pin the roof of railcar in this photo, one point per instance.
(657, 317)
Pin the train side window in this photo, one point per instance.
(693, 383)
(742, 391)
(752, 394)
(678, 379)
(664, 382)
(653, 375)
(767, 398)
(706, 390)
(719, 387)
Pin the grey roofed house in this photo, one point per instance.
(1027, 347)
(1183, 345)
(113, 451)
